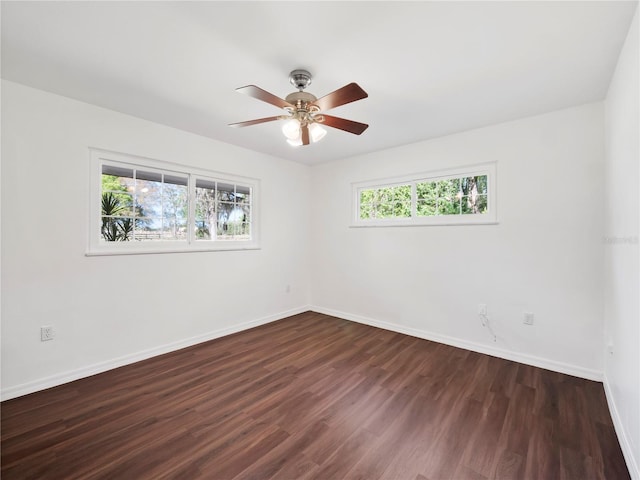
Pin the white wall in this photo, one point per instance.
(545, 255)
(112, 310)
(622, 267)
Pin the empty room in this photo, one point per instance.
(320, 240)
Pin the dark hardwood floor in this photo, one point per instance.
(313, 396)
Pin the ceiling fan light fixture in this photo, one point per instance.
(316, 132)
(303, 111)
(291, 129)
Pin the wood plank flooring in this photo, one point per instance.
(315, 397)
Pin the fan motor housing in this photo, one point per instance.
(303, 97)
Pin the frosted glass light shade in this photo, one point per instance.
(316, 132)
(291, 129)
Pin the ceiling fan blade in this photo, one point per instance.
(260, 94)
(305, 134)
(347, 94)
(248, 123)
(343, 124)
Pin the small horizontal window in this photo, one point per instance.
(452, 197)
(147, 206)
(385, 202)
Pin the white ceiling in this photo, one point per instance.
(430, 68)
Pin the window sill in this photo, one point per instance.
(400, 223)
(95, 252)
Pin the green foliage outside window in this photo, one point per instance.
(142, 209)
(117, 204)
(455, 196)
(386, 202)
(452, 196)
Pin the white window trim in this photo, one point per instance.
(98, 157)
(489, 218)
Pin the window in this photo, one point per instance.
(223, 211)
(452, 197)
(141, 205)
(393, 201)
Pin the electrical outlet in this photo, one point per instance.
(46, 333)
(482, 309)
(287, 289)
(527, 318)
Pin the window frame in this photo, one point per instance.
(488, 218)
(96, 246)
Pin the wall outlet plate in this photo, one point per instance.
(46, 333)
(527, 318)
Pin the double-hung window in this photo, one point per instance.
(140, 205)
(459, 196)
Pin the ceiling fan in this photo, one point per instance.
(305, 115)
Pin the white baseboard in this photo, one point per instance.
(623, 439)
(69, 376)
(547, 364)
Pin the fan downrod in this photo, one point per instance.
(300, 79)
